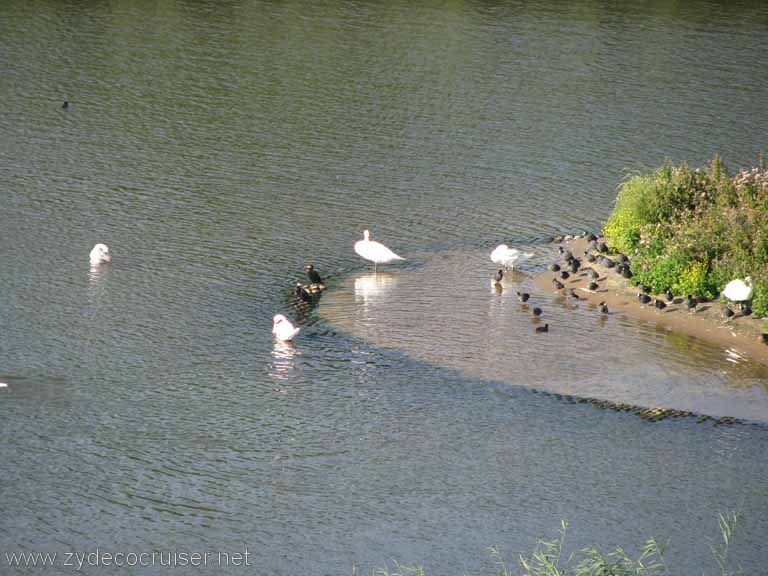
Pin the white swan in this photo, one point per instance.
(738, 290)
(100, 254)
(508, 257)
(283, 329)
(374, 251)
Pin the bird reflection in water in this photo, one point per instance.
(97, 282)
(283, 355)
(96, 274)
(373, 287)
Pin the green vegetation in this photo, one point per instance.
(549, 559)
(693, 230)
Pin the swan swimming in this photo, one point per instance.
(283, 329)
(738, 290)
(374, 251)
(508, 257)
(100, 254)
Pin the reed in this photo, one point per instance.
(549, 558)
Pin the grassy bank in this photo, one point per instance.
(549, 558)
(693, 230)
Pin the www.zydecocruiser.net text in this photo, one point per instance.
(97, 557)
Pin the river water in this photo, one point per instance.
(218, 146)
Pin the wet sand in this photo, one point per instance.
(740, 334)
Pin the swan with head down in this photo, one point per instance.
(100, 254)
(283, 329)
(508, 257)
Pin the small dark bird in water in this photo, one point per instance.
(301, 293)
(592, 286)
(555, 267)
(570, 292)
(627, 273)
(65, 105)
(536, 311)
(727, 312)
(643, 297)
(622, 258)
(557, 284)
(523, 296)
(747, 310)
(566, 254)
(607, 262)
(564, 275)
(498, 276)
(575, 265)
(544, 328)
(602, 308)
(312, 274)
(668, 295)
(660, 304)
(602, 247)
(643, 288)
(620, 268)
(589, 257)
(593, 274)
(691, 303)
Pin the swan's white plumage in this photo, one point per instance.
(283, 329)
(738, 290)
(508, 257)
(100, 254)
(374, 251)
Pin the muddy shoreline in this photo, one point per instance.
(739, 334)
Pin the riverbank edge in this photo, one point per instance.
(741, 335)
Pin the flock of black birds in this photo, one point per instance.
(573, 266)
(598, 252)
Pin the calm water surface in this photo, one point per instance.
(218, 146)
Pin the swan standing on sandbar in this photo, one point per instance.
(100, 254)
(508, 257)
(739, 291)
(374, 251)
(283, 329)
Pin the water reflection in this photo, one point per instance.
(97, 275)
(511, 280)
(283, 355)
(373, 287)
(97, 280)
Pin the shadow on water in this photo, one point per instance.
(444, 312)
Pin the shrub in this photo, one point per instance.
(694, 279)
(692, 231)
(660, 275)
(630, 213)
